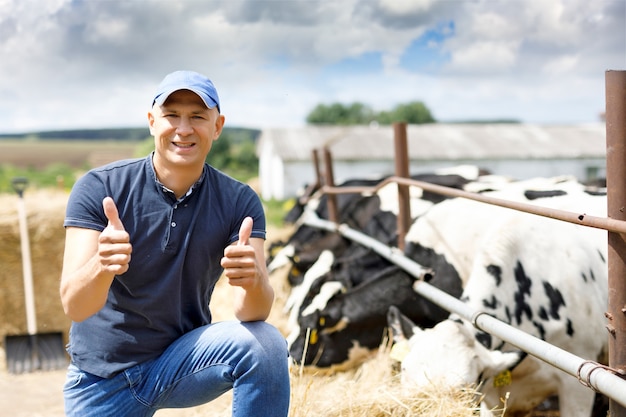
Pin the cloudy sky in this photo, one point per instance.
(95, 63)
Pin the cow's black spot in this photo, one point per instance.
(601, 256)
(543, 314)
(485, 339)
(507, 312)
(570, 327)
(493, 303)
(524, 284)
(535, 194)
(496, 272)
(555, 298)
(541, 331)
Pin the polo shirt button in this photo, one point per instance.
(173, 224)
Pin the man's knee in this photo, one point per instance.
(267, 337)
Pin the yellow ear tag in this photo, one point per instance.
(313, 337)
(503, 379)
(399, 350)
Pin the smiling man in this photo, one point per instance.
(146, 241)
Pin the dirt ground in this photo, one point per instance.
(39, 394)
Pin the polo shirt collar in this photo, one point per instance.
(169, 192)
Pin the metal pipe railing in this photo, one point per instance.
(584, 219)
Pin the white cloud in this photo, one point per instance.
(95, 63)
(485, 57)
(400, 7)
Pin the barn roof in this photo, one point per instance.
(442, 141)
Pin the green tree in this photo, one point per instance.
(339, 114)
(414, 112)
(358, 113)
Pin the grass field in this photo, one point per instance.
(38, 154)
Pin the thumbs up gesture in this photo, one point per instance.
(240, 261)
(114, 246)
(245, 231)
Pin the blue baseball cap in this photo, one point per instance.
(187, 80)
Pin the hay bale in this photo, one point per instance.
(45, 210)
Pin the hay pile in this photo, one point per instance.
(374, 390)
(370, 390)
(45, 210)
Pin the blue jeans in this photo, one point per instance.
(251, 358)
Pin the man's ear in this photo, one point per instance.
(150, 121)
(219, 126)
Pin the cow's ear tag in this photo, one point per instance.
(399, 351)
(503, 379)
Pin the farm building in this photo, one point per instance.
(520, 151)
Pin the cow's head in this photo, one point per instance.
(446, 354)
(340, 323)
(325, 336)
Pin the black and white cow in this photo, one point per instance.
(343, 327)
(373, 214)
(543, 276)
(312, 253)
(325, 264)
(334, 319)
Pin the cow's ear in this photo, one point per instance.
(502, 362)
(402, 328)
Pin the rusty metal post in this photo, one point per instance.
(616, 209)
(316, 166)
(402, 170)
(330, 181)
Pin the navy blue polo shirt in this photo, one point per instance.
(177, 247)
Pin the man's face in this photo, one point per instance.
(184, 129)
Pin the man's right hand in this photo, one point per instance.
(114, 246)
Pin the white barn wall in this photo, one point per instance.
(301, 173)
(517, 151)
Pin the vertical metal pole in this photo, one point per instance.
(616, 209)
(330, 181)
(402, 170)
(316, 166)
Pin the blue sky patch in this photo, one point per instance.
(425, 53)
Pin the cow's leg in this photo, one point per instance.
(575, 399)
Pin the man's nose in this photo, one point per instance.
(184, 127)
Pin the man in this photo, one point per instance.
(146, 241)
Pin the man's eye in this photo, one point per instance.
(169, 115)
